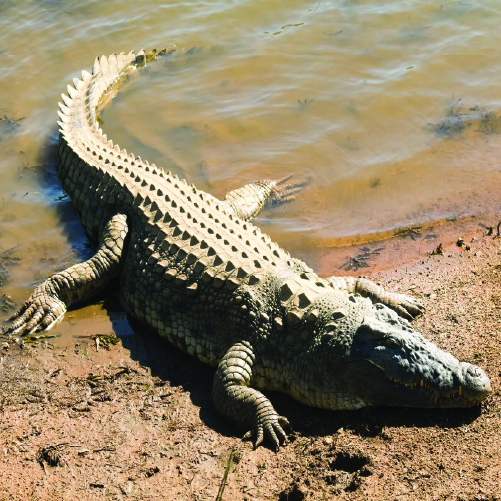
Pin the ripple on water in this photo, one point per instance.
(349, 95)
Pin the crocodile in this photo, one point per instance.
(195, 270)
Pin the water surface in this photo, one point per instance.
(390, 108)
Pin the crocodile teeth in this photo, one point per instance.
(458, 394)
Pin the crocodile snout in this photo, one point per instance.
(474, 381)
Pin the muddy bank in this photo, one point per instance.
(136, 421)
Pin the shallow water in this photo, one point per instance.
(390, 109)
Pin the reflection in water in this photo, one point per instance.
(390, 108)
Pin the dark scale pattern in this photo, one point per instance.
(196, 271)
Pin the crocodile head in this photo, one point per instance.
(386, 362)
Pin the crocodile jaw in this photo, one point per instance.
(391, 364)
(464, 385)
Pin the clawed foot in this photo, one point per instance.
(271, 428)
(39, 313)
(406, 306)
(285, 191)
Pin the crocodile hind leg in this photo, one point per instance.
(244, 406)
(246, 202)
(406, 306)
(51, 298)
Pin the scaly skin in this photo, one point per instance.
(196, 271)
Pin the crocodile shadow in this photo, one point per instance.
(181, 370)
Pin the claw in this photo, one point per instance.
(271, 433)
(40, 312)
(284, 192)
(283, 421)
(259, 438)
(407, 307)
(19, 312)
(403, 312)
(247, 436)
(271, 428)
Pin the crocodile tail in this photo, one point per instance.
(79, 110)
(80, 107)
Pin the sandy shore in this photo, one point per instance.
(137, 422)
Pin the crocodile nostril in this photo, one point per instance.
(475, 371)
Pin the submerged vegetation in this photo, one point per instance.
(456, 121)
(105, 340)
(303, 105)
(7, 260)
(412, 232)
(375, 182)
(360, 260)
(8, 125)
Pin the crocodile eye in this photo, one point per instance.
(393, 342)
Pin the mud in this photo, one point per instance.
(136, 421)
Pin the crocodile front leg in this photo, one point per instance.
(406, 306)
(50, 300)
(246, 202)
(244, 406)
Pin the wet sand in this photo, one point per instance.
(137, 422)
